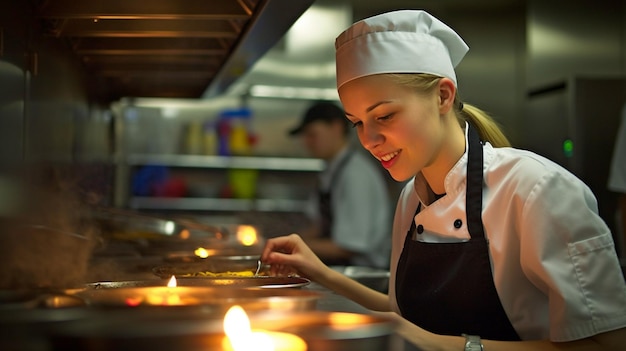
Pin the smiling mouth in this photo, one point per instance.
(387, 157)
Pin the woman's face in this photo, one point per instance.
(400, 127)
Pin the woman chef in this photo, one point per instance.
(491, 245)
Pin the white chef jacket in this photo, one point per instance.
(553, 258)
(361, 208)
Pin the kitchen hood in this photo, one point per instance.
(167, 48)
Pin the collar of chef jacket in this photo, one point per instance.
(438, 218)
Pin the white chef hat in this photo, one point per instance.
(406, 41)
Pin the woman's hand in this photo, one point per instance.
(290, 255)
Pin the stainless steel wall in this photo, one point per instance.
(47, 121)
(44, 95)
(576, 88)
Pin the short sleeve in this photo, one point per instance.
(567, 252)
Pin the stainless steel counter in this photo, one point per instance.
(337, 303)
(29, 327)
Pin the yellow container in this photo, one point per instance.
(243, 182)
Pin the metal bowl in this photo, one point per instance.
(203, 330)
(185, 296)
(23, 299)
(235, 282)
(330, 331)
(222, 253)
(150, 230)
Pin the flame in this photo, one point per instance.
(236, 323)
(247, 235)
(204, 253)
(184, 234)
(172, 282)
(240, 337)
(201, 252)
(133, 301)
(345, 321)
(237, 329)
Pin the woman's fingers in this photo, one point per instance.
(287, 255)
(284, 244)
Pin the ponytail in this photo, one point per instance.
(488, 129)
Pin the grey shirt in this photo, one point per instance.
(361, 209)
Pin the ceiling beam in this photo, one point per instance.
(147, 28)
(152, 9)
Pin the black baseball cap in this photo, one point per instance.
(320, 111)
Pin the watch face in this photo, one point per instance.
(473, 343)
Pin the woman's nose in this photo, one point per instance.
(370, 137)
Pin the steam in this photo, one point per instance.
(39, 257)
(45, 241)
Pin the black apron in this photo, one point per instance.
(325, 207)
(447, 288)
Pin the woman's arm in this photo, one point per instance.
(290, 254)
(355, 291)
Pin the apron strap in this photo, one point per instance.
(473, 197)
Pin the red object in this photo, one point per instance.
(253, 139)
(172, 187)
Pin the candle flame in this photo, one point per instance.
(247, 235)
(201, 252)
(236, 322)
(237, 329)
(184, 234)
(172, 282)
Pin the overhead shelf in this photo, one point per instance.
(226, 162)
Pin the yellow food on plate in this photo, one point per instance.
(228, 274)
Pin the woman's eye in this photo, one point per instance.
(356, 124)
(385, 117)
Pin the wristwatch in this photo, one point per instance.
(473, 343)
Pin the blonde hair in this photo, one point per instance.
(488, 128)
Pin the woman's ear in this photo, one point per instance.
(447, 93)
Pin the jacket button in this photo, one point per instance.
(458, 223)
(420, 229)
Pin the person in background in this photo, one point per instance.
(351, 210)
(493, 247)
(617, 183)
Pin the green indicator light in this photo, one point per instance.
(568, 148)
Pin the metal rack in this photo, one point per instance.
(199, 162)
(228, 162)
